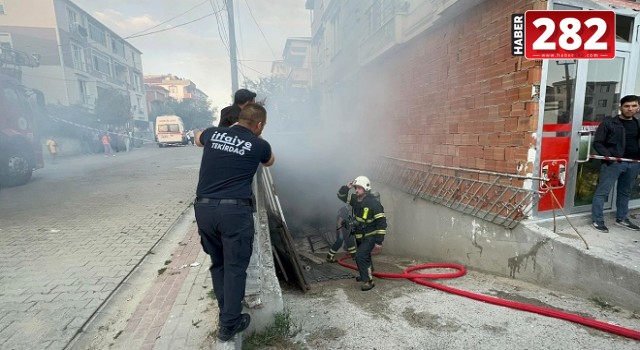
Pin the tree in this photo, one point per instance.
(195, 113)
(288, 107)
(113, 107)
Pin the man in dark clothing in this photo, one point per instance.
(370, 225)
(223, 208)
(343, 235)
(229, 115)
(617, 137)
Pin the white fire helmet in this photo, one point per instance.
(363, 182)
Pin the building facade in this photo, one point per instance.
(439, 80)
(296, 64)
(156, 96)
(79, 56)
(179, 88)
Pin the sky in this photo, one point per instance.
(196, 51)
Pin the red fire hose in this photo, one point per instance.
(421, 278)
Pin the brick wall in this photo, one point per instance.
(455, 96)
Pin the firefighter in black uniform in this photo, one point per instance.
(343, 235)
(369, 225)
(223, 208)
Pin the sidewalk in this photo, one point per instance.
(177, 312)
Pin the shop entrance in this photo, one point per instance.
(579, 95)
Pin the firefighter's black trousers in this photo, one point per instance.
(363, 257)
(226, 233)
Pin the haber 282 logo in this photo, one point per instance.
(564, 34)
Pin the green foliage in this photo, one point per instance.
(194, 113)
(113, 107)
(277, 335)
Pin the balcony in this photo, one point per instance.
(380, 40)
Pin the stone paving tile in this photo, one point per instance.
(153, 312)
(83, 235)
(194, 315)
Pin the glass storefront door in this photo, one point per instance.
(597, 97)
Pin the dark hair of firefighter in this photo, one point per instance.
(252, 114)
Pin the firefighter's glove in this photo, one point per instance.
(379, 239)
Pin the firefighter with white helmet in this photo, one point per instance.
(369, 225)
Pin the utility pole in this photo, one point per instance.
(232, 47)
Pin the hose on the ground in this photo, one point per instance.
(423, 279)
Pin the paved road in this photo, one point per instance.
(70, 237)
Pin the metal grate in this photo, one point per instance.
(503, 199)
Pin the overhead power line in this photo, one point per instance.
(261, 32)
(174, 27)
(165, 21)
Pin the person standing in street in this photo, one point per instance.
(191, 136)
(52, 146)
(617, 137)
(229, 115)
(369, 225)
(343, 235)
(106, 143)
(224, 208)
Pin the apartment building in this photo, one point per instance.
(179, 88)
(295, 67)
(79, 56)
(156, 97)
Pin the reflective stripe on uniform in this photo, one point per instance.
(376, 232)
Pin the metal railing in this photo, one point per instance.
(503, 199)
(286, 244)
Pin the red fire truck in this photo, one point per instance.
(20, 108)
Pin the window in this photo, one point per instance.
(1, 7)
(5, 41)
(73, 21)
(380, 12)
(97, 34)
(5, 46)
(137, 82)
(84, 96)
(624, 27)
(14, 102)
(602, 103)
(101, 63)
(295, 61)
(169, 128)
(78, 57)
(604, 88)
(117, 47)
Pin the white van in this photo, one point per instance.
(170, 131)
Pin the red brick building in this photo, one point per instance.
(437, 85)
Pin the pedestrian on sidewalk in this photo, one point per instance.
(617, 137)
(369, 225)
(224, 209)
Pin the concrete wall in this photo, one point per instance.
(430, 232)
